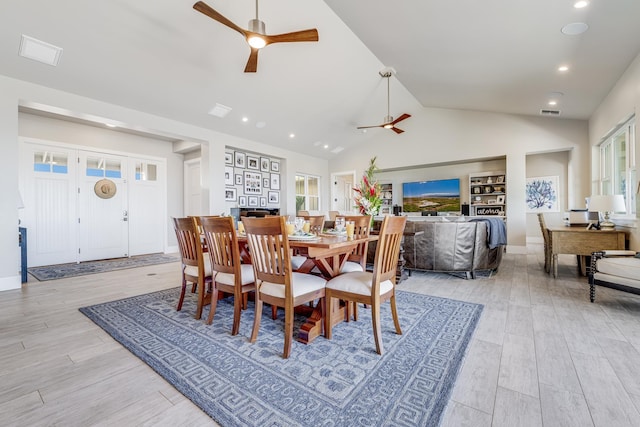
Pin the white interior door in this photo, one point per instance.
(342, 191)
(147, 210)
(48, 188)
(192, 188)
(103, 222)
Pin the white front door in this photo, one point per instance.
(146, 206)
(48, 188)
(192, 188)
(103, 221)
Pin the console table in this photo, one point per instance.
(582, 242)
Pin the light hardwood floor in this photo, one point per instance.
(541, 355)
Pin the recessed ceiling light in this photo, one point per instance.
(245, 119)
(574, 28)
(260, 125)
(553, 102)
(292, 135)
(580, 4)
(326, 146)
(563, 68)
(39, 51)
(220, 110)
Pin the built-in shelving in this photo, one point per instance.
(488, 193)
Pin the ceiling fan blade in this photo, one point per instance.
(204, 8)
(297, 36)
(396, 130)
(252, 63)
(369, 127)
(401, 118)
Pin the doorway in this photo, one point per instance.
(342, 184)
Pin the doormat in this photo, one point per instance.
(62, 271)
(340, 382)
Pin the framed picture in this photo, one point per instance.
(252, 183)
(476, 190)
(228, 175)
(242, 201)
(265, 182)
(541, 194)
(238, 179)
(274, 197)
(500, 200)
(228, 158)
(264, 164)
(263, 202)
(500, 179)
(275, 166)
(253, 201)
(252, 163)
(491, 201)
(230, 194)
(240, 159)
(275, 181)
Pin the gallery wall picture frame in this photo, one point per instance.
(228, 158)
(275, 166)
(253, 163)
(541, 194)
(263, 202)
(230, 194)
(264, 164)
(239, 179)
(265, 183)
(252, 183)
(228, 175)
(274, 197)
(253, 201)
(240, 159)
(242, 201)
(275, 181)
(500, 200)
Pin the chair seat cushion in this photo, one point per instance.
(358, 282)
(301, 284)
(627, 268)
(246, 271)
(350, 267)
(192, 270)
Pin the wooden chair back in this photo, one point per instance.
(190, 244)
(269, 247)
(333, 215)
(387, 251)
(316, 223)
(220, 235)
(362, 229)
(303, 213)
(547, 243)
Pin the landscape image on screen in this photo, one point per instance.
(440, 195)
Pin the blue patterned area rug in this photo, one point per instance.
(61, 271)
(337, 382)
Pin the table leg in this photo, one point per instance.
(555, 265)
(312, 328)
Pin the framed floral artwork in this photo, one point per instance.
(542, 194)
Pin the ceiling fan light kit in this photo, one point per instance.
(388, 122)
(256, 35)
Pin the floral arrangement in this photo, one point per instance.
(367, 193)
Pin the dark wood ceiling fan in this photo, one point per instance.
(389, 122)
(255, 35)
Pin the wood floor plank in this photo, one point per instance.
(555, 366)
(458, 415)
(516, 409)
(518, 367)
(562, 408)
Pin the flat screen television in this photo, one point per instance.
(442, 195)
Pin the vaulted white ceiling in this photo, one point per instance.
(165, 58)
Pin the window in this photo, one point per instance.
(101, 167)
(307, 193)
(45, 161)
(146, 171)
(618, 165)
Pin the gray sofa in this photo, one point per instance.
(451, 247)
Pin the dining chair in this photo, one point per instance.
(276, 283)
(196, 268)
(303, 213)
(316, 222)
(230, 275)
(547, 244)
(375, 287)
(333, 215)
(357, 260)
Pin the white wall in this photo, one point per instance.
(550, 164)
(16, 92)
(436, 136)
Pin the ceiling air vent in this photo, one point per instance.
(549, 112)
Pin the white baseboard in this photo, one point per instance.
(10, 282)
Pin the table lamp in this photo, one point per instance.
(606, 205)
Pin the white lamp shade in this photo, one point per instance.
(609, 203)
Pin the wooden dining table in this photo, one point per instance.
(328, 253)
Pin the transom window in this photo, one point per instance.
(103, 167)
(46, 161)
